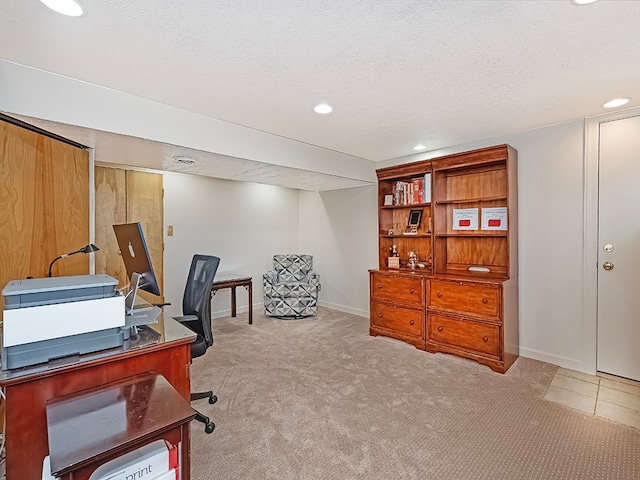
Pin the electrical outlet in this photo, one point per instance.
(170, 231)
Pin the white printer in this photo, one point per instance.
(48, 318)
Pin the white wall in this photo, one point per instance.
(550, 239)
(551, 233)
(339, 228)
(244, 224)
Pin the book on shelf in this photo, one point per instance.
(398, 190)
(418, 190)
(149, 462)
(426, 196)
(412, 192)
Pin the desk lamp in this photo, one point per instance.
(86, 249)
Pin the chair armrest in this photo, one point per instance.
(313, 278)
(186, 318)
(271, 277)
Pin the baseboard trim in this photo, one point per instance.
(241, 309)
(565, 362)
(333, 306)
(344, 308)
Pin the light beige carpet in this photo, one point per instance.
(321, 399)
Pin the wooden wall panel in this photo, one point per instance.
(127, 196)
(44, 205)
(145, 205)
(111, 208)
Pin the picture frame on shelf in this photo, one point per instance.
(413, 222)
(414, 219)
(388, 200)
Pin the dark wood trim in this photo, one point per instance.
(19, 123)
(232, 283)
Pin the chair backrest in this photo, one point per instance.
(292, 267)
(197, 294)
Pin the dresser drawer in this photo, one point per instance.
(465, 334)
(397, 318)
(396, 288)
(463, 297)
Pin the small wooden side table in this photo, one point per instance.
(88, 429)
(232, 280)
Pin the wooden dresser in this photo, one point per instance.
(398, 305)
(461, 294)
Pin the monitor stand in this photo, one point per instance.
(137, 310)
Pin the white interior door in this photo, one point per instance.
(619, 249)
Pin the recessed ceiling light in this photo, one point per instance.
(583, 2)
(185, 160)
(71, 8)
(616, 102)
(419, 147)
(323, 108)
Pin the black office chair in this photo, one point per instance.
(196, 315)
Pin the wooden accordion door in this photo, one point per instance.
(44, 205)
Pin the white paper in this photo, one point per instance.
(465, 218)
(46, 469)
(494, 218)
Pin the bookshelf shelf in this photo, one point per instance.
(408, 237)
(462, 201)
(473, 235)
(412, 205)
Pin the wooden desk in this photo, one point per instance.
(165, 349)
(232, 281)
(92, 428)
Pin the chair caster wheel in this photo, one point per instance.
(209, 427)
(213, 399)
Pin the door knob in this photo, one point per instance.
(607, 266)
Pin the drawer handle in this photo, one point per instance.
(379, 285)
(485, 339)
(440, 328)
(485, 301)
(439, 294)
(379, 315)
(412, 291)
(412, 322)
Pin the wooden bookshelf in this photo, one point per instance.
(466, 245)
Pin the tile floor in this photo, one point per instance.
(614, 398)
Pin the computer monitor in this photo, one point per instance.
(136, 258)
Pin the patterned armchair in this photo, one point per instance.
(291, 288)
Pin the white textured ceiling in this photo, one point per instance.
(396, 72)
